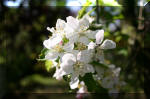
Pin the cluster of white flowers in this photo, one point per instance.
(73, 47)
(109, 78)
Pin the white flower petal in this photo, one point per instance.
(100, 56)
(69, 59)
(73, 22)
(117, 71)
(91, 34)
(99, 36)
(51, 55)
(68, 47)
(108, 44)
(67, 68)
(59, 73)
(90, 19)
(81, 90)
(68, 30)
(60, 24)
(51, 29)
(84, 56)
(91, 45)
(46, 43)
(72, 36)
(84, 40)
(74, 82)
(84, 23)
(52, 41)
(89, 68)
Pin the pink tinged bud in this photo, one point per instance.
(61, 43)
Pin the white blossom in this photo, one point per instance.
(76, 30)
(107, 44)
(52, 41)
(77, 64)
(111, 79)
(82, 88)
(75, 47)
(60, 28)
(56, 47)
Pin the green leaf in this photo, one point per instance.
(65, 40)
(106, 34)
(94, 86)
(91, 11)
(99, 64)
(92, 40)
(60, 3)
(42, 55)
(123, 52)
(82, 12)
(58, 59)
(118, 17)
(48, 64)
(118, 38)
(108, 3)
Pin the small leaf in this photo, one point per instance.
(123, 52)
(118, 38)
(58, 59)
(42, 55)
(82, 12)
(108, 3)
(48, 64)
(118, 17)
(91, 11)
(65, 40)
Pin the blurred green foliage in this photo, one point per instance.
(23, 29)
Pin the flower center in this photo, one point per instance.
(78, 65)
(58, 48)
(80, 46)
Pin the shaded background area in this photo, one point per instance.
(23, 29)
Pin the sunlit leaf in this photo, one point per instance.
(118, 17)
(48, 64)
(108, 3)
(65, 40)
(118, 38)
(82, 12)
(123, 52)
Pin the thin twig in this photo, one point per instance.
(140, 18)
(97, 11)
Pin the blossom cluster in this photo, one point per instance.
(73, 48)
